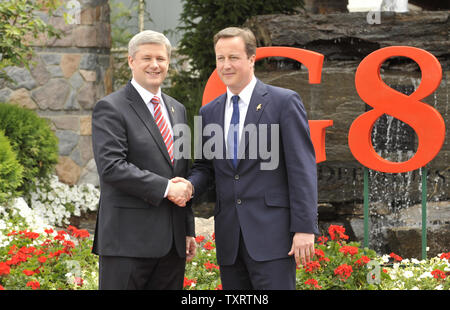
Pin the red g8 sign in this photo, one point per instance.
(424, 119)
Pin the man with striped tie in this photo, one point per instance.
(142, 238)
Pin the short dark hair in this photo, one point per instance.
(245, 33)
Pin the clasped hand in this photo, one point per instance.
(180, 191)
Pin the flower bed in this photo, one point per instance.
(337, 265)
(35, 254)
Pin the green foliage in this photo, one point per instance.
(33, 141)
(10, 170)
(19, 22)
(200, 21)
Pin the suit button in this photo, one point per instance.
(236, 177)
(238, 201)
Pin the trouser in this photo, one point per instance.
(136, 273)
(248, 274)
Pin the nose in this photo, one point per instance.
(226, 64)
(153, 63)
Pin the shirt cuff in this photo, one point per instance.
(167, 189)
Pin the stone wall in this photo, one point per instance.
(70, 74)
(345, 39)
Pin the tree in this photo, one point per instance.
(18, 20)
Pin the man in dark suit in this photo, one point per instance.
(266, 208)
(141, 237)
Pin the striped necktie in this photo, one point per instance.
(163, 126)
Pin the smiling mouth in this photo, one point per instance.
(153, 73)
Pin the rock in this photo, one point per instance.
(69, 64)
(52, 95)
(348, 36)
(22, 98)
(86, 96)
(21, 78)
(204, 227)
(68, 140)
(89, 174)
(67, 170)
(86, 125)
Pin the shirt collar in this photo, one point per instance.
(245, 94)
(145, 94)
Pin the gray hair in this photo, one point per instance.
(148, 37)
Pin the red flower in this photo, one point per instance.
(2, 288)
(219, 287)
(322, 240)
(28, 272)
(344, 271)
(339, 230)
(347, 249)
(312, 266)
(80, 233)
(188, 282)
(438, 274)
(78, 281)
(213, 236)
(42, 259)
(12, 250)
(199, 239)
(208, 245)
(4, 268)
(445, 256)
(210, 266)
(362, 261)
(48, 231)
(321, 255)
(396, 257)
(29, 234)
(313, 283)
(33, 284)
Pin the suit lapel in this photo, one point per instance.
(139, 106)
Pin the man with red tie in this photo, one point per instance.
(142, 238)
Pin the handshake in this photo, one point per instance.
(180, 191)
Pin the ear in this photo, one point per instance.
(252, 60)
(130, 62)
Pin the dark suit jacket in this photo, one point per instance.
(268, 206)
(134, 219)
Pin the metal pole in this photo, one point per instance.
(366, 207)
(424, 212)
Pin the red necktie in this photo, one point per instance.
(163, 126)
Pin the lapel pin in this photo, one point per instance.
(258, 107)
(173, 110)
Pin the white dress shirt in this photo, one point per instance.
(244, 101)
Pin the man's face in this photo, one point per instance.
(234, 67)
(149, 66)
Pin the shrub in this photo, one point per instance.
(33, 141)
(10, 170)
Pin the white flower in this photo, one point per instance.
(426, 275)
(408, 274)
